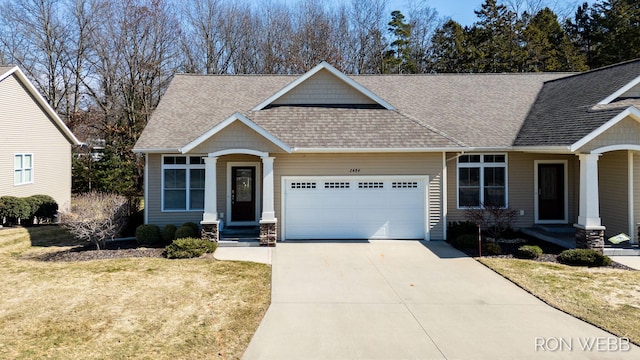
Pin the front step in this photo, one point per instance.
(556, 229)
(241, 236)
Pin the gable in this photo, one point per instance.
(309, 92)
(22, 105)
(324, 88)
(623, 131)
(236, 135)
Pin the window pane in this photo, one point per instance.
(169, 160)
(175, 199)
(469, 177)
(27, 176)
(196, 180)
(196, 160)
(175, 178)
(27, 161)
(469, 159)
(181, 160)
(469, 196)
(494, 196)
(17, 177)
(197, 199)
(17, 162)
(494, 176)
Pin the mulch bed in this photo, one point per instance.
(113, 250)
(549, 255)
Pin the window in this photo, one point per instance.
(183, 183)
(482, 180)
(22, 169)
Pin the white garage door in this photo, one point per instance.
(355, 208)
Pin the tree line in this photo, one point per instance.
(103, 65)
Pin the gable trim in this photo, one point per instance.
(230, 120)
(340, 75)
(629, 112)
(42, 102)
(621, 91)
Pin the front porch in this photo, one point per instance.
(564, 235)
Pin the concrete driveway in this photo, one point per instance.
(411, 300)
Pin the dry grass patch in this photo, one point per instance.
(140, 308)
(607, 298)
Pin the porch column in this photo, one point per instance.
(210, 222)
(589, 229)
(268, 221)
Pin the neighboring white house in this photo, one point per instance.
(35, 145)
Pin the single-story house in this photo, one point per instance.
(35, 144)
(325, 155)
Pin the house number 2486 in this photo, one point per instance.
(354, 170)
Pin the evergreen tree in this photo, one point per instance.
(496, 36)
(581, 31)
(548, 47)
(398, 58)
(450, 49)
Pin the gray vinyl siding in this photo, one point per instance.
(613, 179)
(636, 194)
(323, 88)
(521, 192)
(26, 128)
(310, 165)
(236, 136)
(368, 164)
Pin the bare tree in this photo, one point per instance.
(424, 21)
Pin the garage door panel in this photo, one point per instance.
(339, 208)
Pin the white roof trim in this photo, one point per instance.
(233, 118)
(45, 105)
(326, 66)
(541, 149)
(620, 92)
(630, 111)
(157, 151)
(617, 147)
(238, 151)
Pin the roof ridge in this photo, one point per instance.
(590, 71)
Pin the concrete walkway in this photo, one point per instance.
(261, 254)
(410, 300)
(630, 261)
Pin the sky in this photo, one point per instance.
(462, 11)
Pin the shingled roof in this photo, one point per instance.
(567, 109)
(431, 111)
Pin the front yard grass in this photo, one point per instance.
(136, 308)
(607, 298)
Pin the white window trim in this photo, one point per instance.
(187, 167)
(22, 182)
(482, 165)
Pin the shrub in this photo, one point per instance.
(496, 220)
(14, 209)
(583, 257)
(492, 248)
(466, 241)
(194, 226)
(147, 234)
(185, 231)
(47, 208)
(186, 248)
(457, 228)
(169, 233)
(528, 252)
(96, 217)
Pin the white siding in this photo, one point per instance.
(26, 128)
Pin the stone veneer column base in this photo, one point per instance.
(268, 232)
(210, 230)
(590, 237)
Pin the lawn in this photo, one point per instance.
(136, 308)
(607, 298)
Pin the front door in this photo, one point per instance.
(243, 193)
(551, 192)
